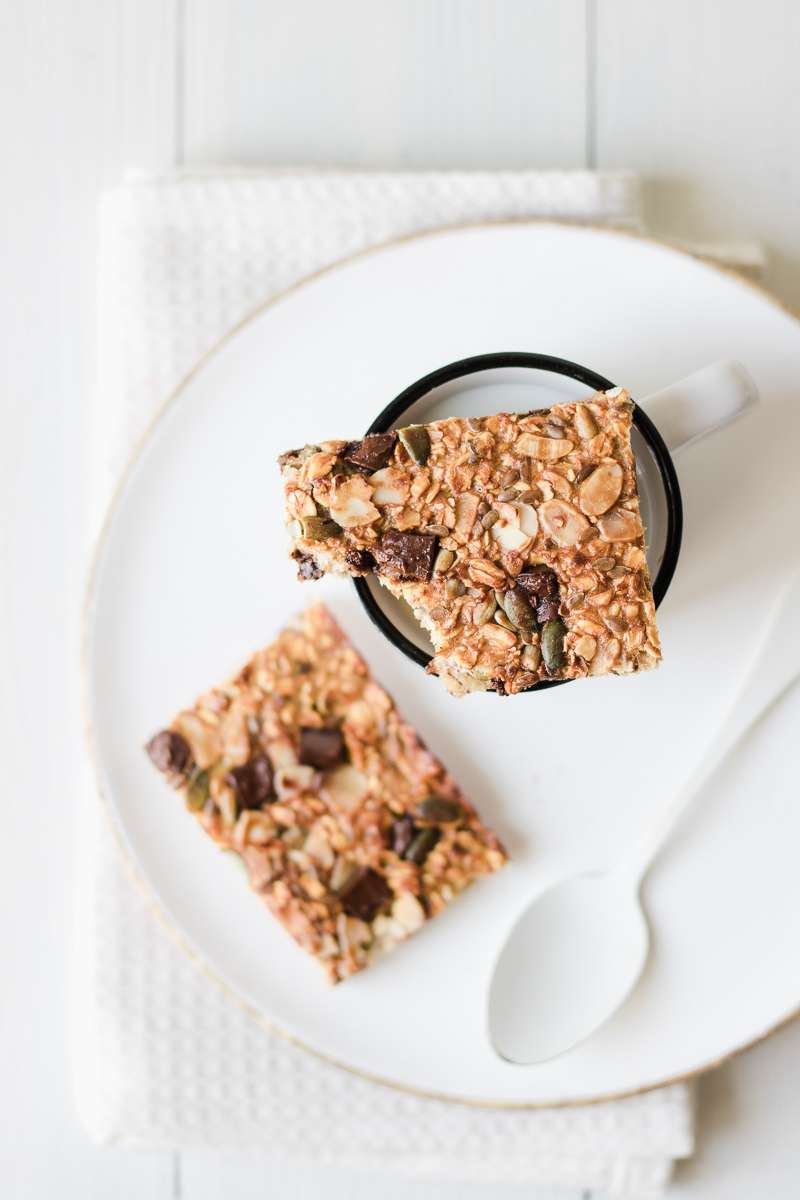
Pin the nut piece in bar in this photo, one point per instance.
(351, 831)
(515, 538)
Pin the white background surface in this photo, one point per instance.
(701, 96)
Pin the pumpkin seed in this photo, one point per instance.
(444, 560)
(439, 530)
(531, 657)
(553, 644)
(501, 619)
(518, 609)
(488, 519)
(319, 528)
(197, 791)
(529, 497)
(507, 494)
(618, 572)
(436, 808)
(454, 587)
(603, 564)
(422, 845)
(417, 442)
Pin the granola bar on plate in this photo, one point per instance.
(353, 833)
(515, 538)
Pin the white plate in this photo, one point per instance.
(192, 575)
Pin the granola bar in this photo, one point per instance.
(351, 831)
(515, 538)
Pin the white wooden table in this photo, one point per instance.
(702, 97)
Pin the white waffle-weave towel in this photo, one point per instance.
(161, 1056)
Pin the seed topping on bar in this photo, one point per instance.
(515, 538)
(351, 831)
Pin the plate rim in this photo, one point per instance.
(98, 546)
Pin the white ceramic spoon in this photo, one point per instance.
(576, 952)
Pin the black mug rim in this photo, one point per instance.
(559, 366)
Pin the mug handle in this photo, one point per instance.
(701, 403)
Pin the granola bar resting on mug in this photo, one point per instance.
(351, 831)
(515, 538)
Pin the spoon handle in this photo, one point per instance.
(772, 670)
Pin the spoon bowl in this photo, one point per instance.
(572, 958)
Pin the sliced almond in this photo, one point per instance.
(294, 780)
(391, 485)
(558, 482)
(585, 647)
(317, 466)
(466, 514)
(235, 738)
(408, 912)
(509, 536)
(605, 658)
(601, 489)
(300, 503)
(346, 787)
(319, 848)
(562, 522)
(204, 740)
(545, 448)
(528, 519)
(620, 525)
(585, 423)
(351, 502)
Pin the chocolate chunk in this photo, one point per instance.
(401, 834)
(547, 609)
(406, 555)
(321, 748)
(306, 567)
(359, 560)
(499, 686)
(365, 895)
(541, 585)
(170, 752)
(541, 580)
(252, 783)
(372, 452)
